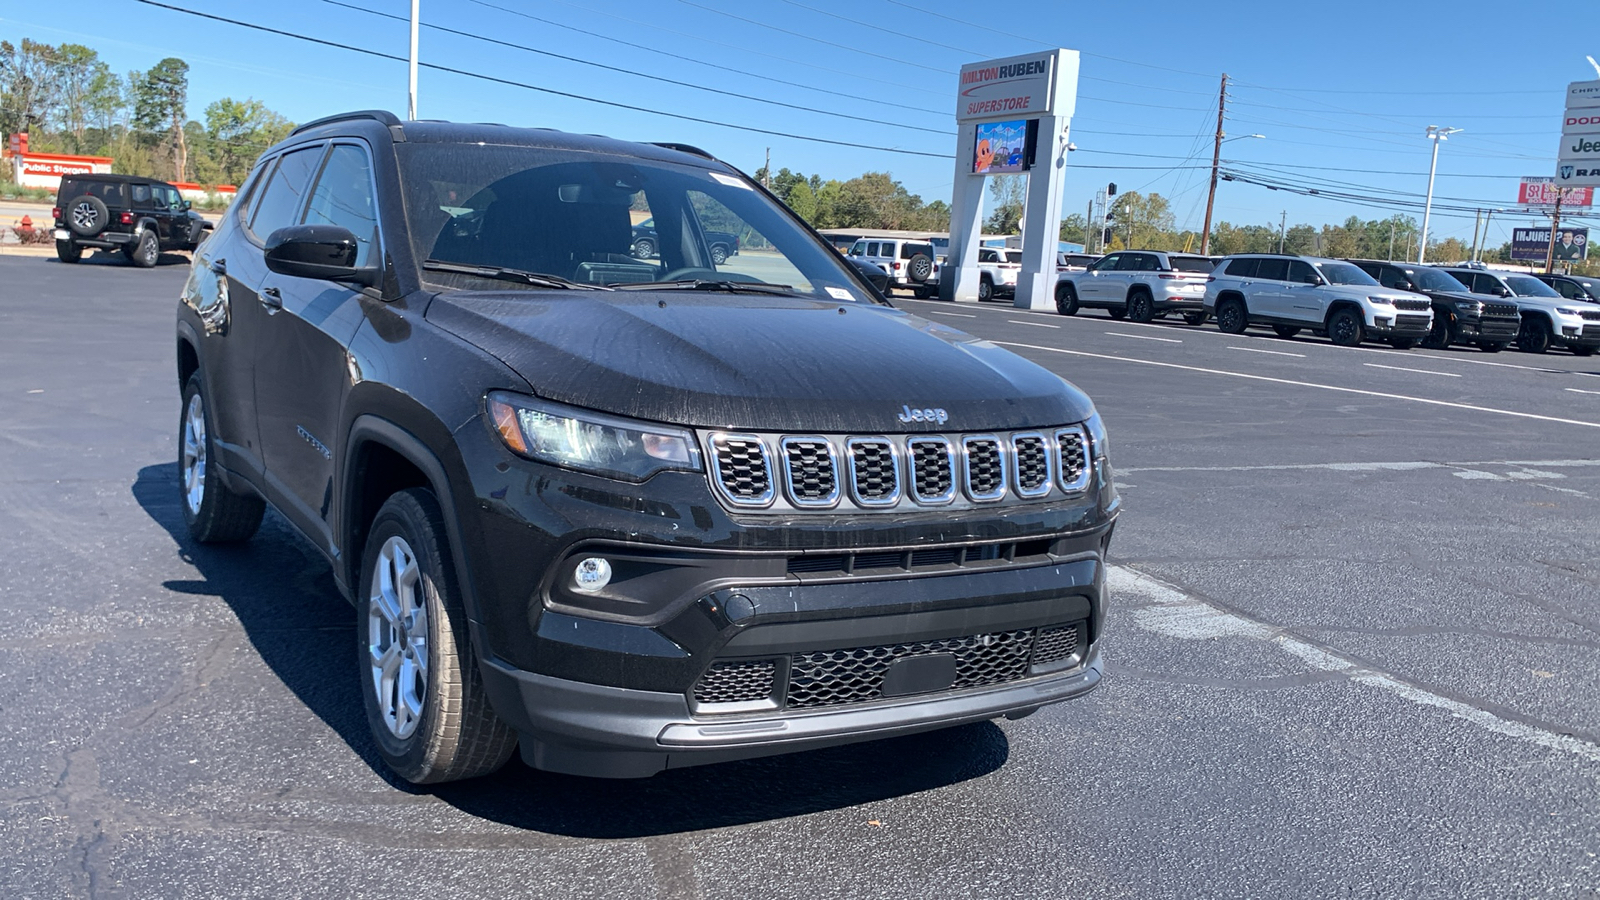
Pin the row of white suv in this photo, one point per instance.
(1292, 293)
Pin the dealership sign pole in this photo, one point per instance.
(1013, 116)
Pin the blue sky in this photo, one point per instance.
(1342, 99)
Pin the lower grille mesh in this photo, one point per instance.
(739, 681)
(1055, 644)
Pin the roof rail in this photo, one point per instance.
(683, 148)
(389, 119)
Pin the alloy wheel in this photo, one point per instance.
(194, 454)
(397, 638)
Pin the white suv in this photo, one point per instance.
(1139, 284)
(909, 264)
(1292, 293)
(998, 269)
(1548, 319)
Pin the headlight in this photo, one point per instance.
(590, 441)
(1383, 301)
(1569, 311)
(1099, 442)
(1469, 306)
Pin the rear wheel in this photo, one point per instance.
(719, 254)
(214, 513)
(1141, 308)
(1492, 346)
(1534, 336)
(1286, 331)
(644, 248)
(1405, 343)
(1582, 351)
(68, 252)
(985, 289)
(1066, 300)
(145, 252)
(423, 693)
(1194, 318)
(1231, 317)
(1345, 328)
(1119, 312)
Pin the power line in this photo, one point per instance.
(701, 62)
(760, 24)
(630, 72)
(543, 90)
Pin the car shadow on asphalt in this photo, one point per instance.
(286, 601)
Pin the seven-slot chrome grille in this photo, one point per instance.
(881, 472)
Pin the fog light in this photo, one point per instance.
(592, 575)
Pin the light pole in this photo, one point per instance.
(411, 96)
(1436, 134)
(1216, 163)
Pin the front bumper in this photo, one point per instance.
(1489, 329)
(1400, 324)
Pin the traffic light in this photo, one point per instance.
(1111, 189)
(1105, 238)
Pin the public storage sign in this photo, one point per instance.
(1012, 88)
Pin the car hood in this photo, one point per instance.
(761, 363)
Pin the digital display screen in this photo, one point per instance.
(1004, 147)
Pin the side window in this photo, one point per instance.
(139, 195)
(1129, 262)
(1392, 277)
(1300, 272)
(171, 197)
(343, 197)
(988, 256)
(1107, 263)
(1466, 279)
(1565, 288)
(285, 193)
(1244, 268)
(1273, 270)
(872, 248)
(859, 248)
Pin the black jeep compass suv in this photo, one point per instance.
(627, 513)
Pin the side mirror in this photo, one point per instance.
(327, 252)
(186, 205)
(1500, 291)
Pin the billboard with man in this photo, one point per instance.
(1533, 244)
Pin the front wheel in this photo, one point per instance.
(644, 248)
(1534, 337)
(1492, 346)
(1346, 328)
(1066, 300)
(1119, 313)
(1140, 308)
(214, 513)
(424, 696)
(719, 254)
(985, 289)
(1231, 318)
(68, 252)
(1194, 318)
(1582, 351)
(1405, 343)
(1286, 331)
(1442, 334)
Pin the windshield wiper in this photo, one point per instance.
(732, 287)
(504, 273)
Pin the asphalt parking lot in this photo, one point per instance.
(1354, 650)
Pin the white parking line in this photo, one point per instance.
(1034, 324)
(1273, 352)
(1306, 384)
(1404, 369)
(936, 312)
(1576, 391)
(1141, 337)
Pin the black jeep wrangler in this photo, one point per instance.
(139, 216)
(627, 514)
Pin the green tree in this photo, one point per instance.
(239, 131)
(161, 101)
(803, 201)
(77, 70)
(1010, 194)
(28, 86)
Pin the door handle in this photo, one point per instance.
(271, 299)
(219, 266)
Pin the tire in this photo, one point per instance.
(1066, 300)
(1405, 343)
(985, 289)
(1345, 328)
(922, 293)
(1582, 351)
(428, 711)
(1119, 313)
(1231, 317)
(1443, 334)
(1286, 331)
(214, 514)
(1492, 346)
(87, 215)
(1194, 318)
(644, 248)
(1534, 336)
(920, 268)
(1141, 308)
(719, 254)
(68, 251)
(146, 252)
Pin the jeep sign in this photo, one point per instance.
(1578, 159)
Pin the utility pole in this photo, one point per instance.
(766, 171)
(1555, 223)
(1391, 238)
(1216, 163)
(1088, 222)
(411, 98)
(1477, 225)
(1487, 218)
(1283, 224)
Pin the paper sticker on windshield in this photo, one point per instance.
(729, 180)
(840, 294)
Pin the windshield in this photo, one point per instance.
(597, 220)
(1528, 286)
(1191, 264)
(1344, 273)
(1014, 256)
(1435, 280)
